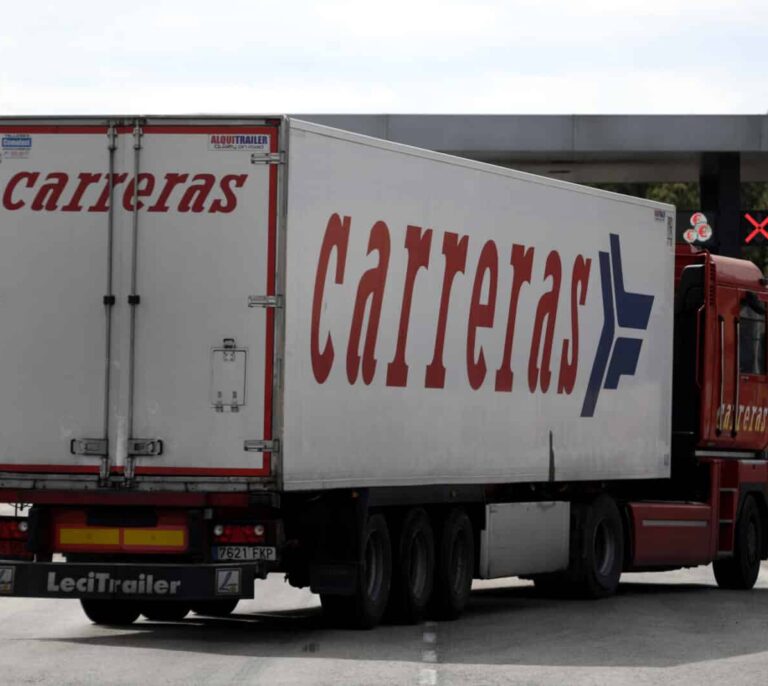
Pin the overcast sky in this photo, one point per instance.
(528, 56)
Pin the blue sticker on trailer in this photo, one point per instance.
(627, 309)
(16, 142)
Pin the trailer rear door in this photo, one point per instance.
(200, 248)
(136, 335)
(54, 256)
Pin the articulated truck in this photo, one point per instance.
(233, 346)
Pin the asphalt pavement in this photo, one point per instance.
(672, 628)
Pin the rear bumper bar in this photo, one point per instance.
(129, 581)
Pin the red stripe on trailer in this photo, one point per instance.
(127, 498)
(88, 469)
(197, 471)
(229, 128)
(58, 128)
(151, 129)
(269, 346)
(39, 468)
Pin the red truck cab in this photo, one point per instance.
(716, 501)
(721, 389)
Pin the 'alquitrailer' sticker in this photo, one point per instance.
(239, 142)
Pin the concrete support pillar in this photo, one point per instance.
(720, 186)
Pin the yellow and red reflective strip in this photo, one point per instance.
(169, 539)
(73, 534)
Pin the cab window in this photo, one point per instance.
(752, 336)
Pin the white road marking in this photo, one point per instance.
(428, 675)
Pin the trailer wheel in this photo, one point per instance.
(215, 608)
(413, 569)
(454, 566)
(365, 608)
(110, 612)
(597, 553)
(740, 571)
(164, 610)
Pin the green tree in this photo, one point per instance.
(684, 196)
(754, 195)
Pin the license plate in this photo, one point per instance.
(244, 553)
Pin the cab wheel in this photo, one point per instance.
(740, 571)
(597, 554)
(110, 612)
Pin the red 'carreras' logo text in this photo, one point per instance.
(482, 310)
(89, 192)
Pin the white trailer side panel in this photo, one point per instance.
(601, 271)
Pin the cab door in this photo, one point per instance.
(749, 416)
(741, 392)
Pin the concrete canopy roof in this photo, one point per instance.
(608, 148)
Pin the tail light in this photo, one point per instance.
(14, 534)
(239, 533)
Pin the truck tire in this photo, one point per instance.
(110, 612)
(164, 610)
(413, 569)
(454, 566)
(215, 608)
(597, 551)
(740, 571)
(365, 608)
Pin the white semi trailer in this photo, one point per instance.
(232, 346)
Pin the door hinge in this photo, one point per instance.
(96, 447)
(267, 158)
(260, 446)
(265, 301)
(112, 137)
(145, 447)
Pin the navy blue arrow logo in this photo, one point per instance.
(633, 310)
